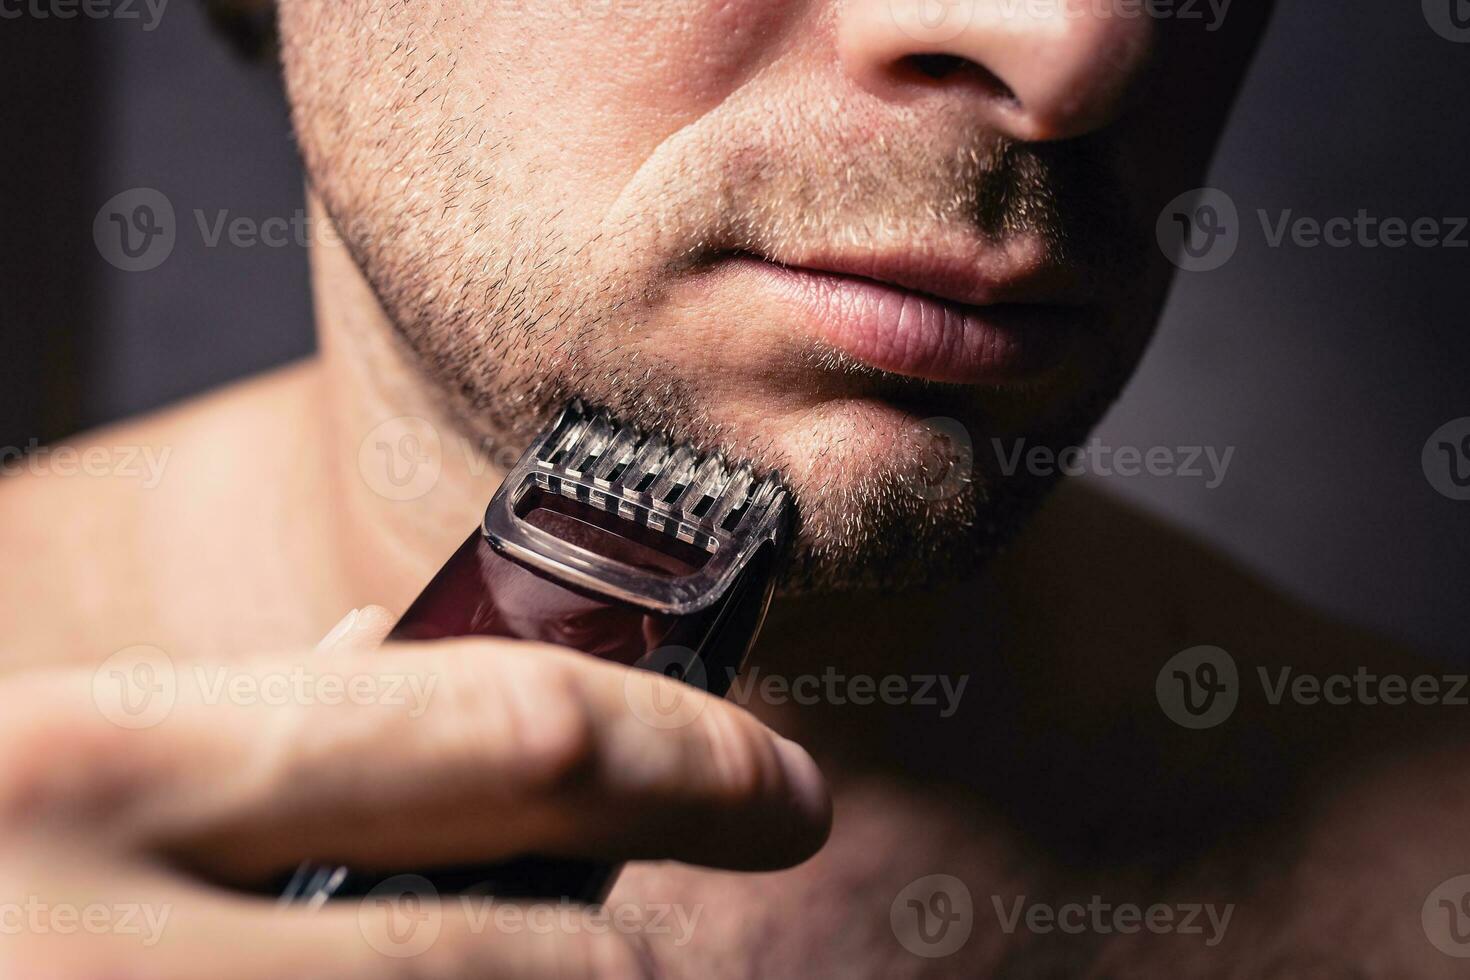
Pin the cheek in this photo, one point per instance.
(597, 84)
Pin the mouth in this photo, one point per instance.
(927, 317)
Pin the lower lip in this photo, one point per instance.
(903, 332)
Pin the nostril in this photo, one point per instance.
(936, 66)
(939, 67)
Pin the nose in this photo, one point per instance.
(1034, 69)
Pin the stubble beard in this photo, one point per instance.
(506, 314)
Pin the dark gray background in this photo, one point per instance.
(1326, 369)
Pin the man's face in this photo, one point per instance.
(797, 231)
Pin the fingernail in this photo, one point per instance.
(343, 627)
(805, 779)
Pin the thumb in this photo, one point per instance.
(360, 629)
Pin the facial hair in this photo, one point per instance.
(507, 311)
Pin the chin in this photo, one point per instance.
(885, 498)
(910, 494)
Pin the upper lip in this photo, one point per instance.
(964, 275)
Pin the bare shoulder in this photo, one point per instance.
(1118, 569)
(116, 529)
(1137, 614)
(1307, 775)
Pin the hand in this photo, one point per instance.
(114, 837)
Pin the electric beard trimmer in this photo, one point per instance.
(616, 543)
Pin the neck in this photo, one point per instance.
(407, 485)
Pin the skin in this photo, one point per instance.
(476, 288)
